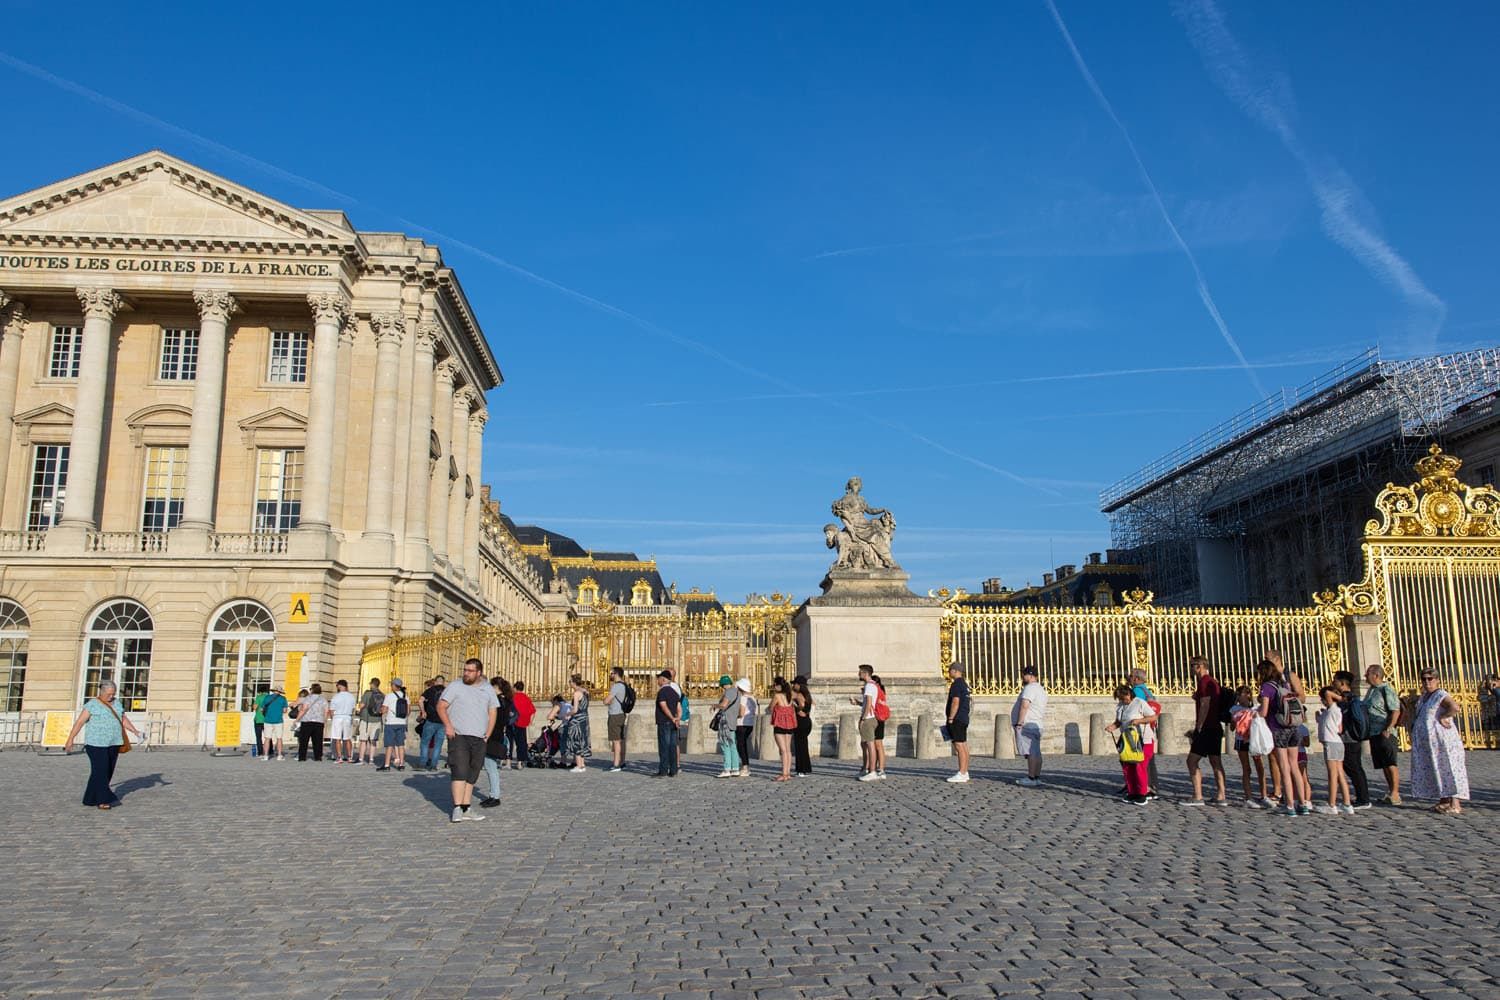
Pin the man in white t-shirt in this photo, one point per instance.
(868, 696)
(1027, 716)
(341, 730)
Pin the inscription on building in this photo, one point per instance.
(164, 265)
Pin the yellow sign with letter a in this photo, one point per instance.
(301, 603)
(227, 729)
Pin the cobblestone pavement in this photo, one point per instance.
(232, 877)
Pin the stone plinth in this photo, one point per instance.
(868, 616)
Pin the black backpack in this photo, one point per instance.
(629, 703)
(1356, 719)
(1227, 700)
(402, 706)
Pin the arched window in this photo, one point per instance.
(118, 647)
(588, 591)
(241, 649)
(15, 629)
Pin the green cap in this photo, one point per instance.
(725, 681)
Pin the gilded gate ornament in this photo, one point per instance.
(1438, 505)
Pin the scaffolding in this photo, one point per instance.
(1308, 459)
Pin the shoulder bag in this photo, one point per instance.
(124, 736)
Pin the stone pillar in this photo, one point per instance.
(10, 368)
(1167, 738)
(330, 310)
(390, 328)
(419, 465)
(922, 746)
(1005, 737)
(471, 515)
(458, 558)
(339, 488)
(1100, 744)
(99, 308)
(442, 415)
(215, 306)
(849, 736)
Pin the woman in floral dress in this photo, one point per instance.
(576, 734)
(1437, 750)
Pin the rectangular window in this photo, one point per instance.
(67, 352)
(166, 487)
(278, 490)
(179, 356)
(288, 356)
(49, 482)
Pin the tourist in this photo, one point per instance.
(869, 694)
(294, 708)
(312, 715)
(505, 715)
(686, 712)
(668, 721)
(393, 715)
(614, 705)
(1356, 731)
(958, 721)
(429, 727)
(882, 713)
(1438, 769)
(1383, 708)
(802, 703)
(494, 745)
(1140, 689)
(749, 708)
(1281, 696)
(1136, 724)
(556, 724)
(259, 721)
(1026, 718)
(275, 715)
(576, 730)
(104, 737)
(525, 711)
(1207, 736)
(371, 721)
(727, 716)
(468, 710)
(341, 729)
(783, 724)
(1331, 734)
(1243, 715)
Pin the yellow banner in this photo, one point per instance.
(55, 728)
(299, 612)
(227, 729)
(293, 674)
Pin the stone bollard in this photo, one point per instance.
(849, 736)
(763, 740)
(1100, 743)
(1005, 738)
(1166, 737)
(922, 738)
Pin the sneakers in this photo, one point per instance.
(1254, 804)
(1392, 800)
(1363, 805)
(879, 775)
(1135, 800)
(283, 757)
(1028, 782)
(1269, 803)
(869, 776)
(488, 803)
(1221, 803)
(579, 769)
(1290, 811)
(382, 768)
(745, 771)
(613, 770)
(1193, 802)
(474, 817)
(1347, 810)
(726, 774)
(1323, 809)
(958, 779)
(1303, 809)
(458, 815)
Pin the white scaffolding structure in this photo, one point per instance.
(1318, 448)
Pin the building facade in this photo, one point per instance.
(237, 440)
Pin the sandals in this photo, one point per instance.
(105, 807)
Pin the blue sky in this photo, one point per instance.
(729, 256)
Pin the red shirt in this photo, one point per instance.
(1208, 689)
(524, 709)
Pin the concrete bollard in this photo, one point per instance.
(763, 740)
(1100, 742)
(1005, 738)
(1167, 738)
(849, 736)
(923, 738)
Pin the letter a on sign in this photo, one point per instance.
(299, 609)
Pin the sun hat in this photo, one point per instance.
(743, 684)
(725, 681)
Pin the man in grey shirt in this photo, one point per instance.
(1027, 716)
(615, 705)
(467, 710)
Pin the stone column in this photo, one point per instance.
(458, 558)
(10, 369)
(389, 328)
(442, 414)
(215, 306)
(471, 517)
(329, 309)
(99, 308)
(419, 464)
(341, 406)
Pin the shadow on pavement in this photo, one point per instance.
(435, 789)
(140, 784)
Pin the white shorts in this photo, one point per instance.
(342, 728)
(371, 731)
(274, 730)
(1029, 740)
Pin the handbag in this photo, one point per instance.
(1132, 750)
(124, 736)
(717, 722)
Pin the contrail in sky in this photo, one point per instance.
(687, 343)
(1203, 293)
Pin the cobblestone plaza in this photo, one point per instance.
(233, 877)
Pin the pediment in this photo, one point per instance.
(158, 197)
(163, 423)
(277, 427)
(50, 423)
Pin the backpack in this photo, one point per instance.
(1356, 720)
(1289, 711)
(629, 703)
(1227, 700)
(882, 707)
(686, 712)
(402, 707)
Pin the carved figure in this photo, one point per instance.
(863, 535)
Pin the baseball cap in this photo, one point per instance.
(396, 682)
(1029, 671)
(725, 681)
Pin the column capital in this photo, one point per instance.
(447, 370)
(390, 327)
(479, 418)
(215, 304)
(15, 323)
(465, 397)
(5, 300)
(331, 307)
(428, 335)
(100, 303)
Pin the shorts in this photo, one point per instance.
(783, 732)
(466, 757)
(341, 728)
(1383, 751)
(1241, 745)
(275, 730)
(395, 736)
(370, 730)
(1029, 740)
(1208, 742)
(958, 732)
(1285, 739)
(617, 727)
(1333, 751)
(879, 730)
(867, 730)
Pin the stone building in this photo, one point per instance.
(236, 439)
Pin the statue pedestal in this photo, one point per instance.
(868, 616)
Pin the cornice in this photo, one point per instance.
(167, 244)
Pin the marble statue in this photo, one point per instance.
(863, 534)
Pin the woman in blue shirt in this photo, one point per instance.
(103, 728)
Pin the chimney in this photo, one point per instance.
(1046, 579)
(1094, 558)
(992, 585)
(1066, 570)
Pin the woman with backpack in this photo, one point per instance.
(1438, 769)
(1281, 701)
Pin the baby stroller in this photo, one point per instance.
(543, 750)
